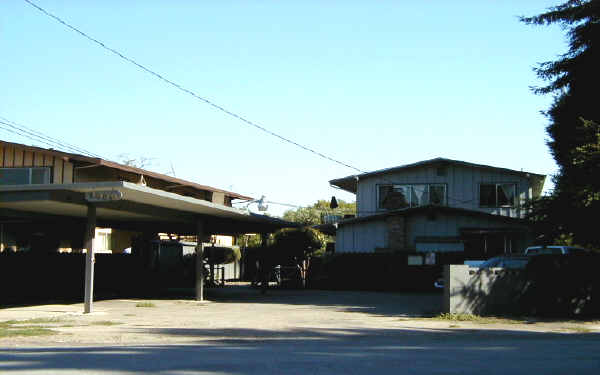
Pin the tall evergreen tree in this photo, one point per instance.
(574, 128)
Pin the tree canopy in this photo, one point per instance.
(315, 214)
(574, 125)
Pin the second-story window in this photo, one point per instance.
(497, 195)
(393, 197)
(24, 176)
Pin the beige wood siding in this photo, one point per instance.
(67, 173)
(17, 157)
(38, 159)
(9, 154)
(218, 198)
(28, 159)
(57, 172)
(18, 160)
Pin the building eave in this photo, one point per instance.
(92, 161)
(430, 209)
(349, 183)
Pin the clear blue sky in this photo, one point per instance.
(374, 84)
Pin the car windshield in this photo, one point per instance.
(545, 250)
(493, 262)
(503, 262)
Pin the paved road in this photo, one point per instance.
(361, 352)
(295, 333)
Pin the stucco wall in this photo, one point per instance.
(487, 291)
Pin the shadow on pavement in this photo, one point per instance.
(375, 303)
(320, 351)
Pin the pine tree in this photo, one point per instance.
(574, 131)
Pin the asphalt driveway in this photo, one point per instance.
(291, 332)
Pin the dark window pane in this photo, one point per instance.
(487, 195)
(397, 198)
(418, 195)
(384, 190)
(14, 176)
(40, 175)
(506, 195)
(437, 194)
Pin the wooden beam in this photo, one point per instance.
(89, 259)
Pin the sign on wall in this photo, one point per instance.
(103, 196)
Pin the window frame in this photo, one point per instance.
(30, 174)
(496, 186)
(409, 187)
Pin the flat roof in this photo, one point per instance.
(134, 207)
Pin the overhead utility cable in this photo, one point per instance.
(186, 90)
(38, 136)
(192, 93)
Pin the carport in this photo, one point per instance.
(129, 206)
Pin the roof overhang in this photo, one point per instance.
(350, 183)
(432, 209)
(89, 162)
(131, 206)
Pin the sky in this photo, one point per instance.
(373, 84)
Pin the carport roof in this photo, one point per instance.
(133, 207)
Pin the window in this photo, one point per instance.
(24, 176)
(393, 197)
(497, 195)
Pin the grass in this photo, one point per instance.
(104, 323)
(145, 304)
(578, 329)
(474, 318)
(30, 327)
(40, 321)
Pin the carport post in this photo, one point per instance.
(89, 258)
(265, 269)
(199, 261)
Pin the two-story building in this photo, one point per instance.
(439, 205)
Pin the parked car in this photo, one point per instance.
(556, 250)
(505, 261)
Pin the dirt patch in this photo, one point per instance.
(242, 313)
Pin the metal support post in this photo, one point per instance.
(264, 268)
(89, 258)
(199, 261)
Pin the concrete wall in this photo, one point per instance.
(486, 291)
(462, 187)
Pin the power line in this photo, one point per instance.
(188, 91)
(46, 139)
(197, 96)
(20, 134)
